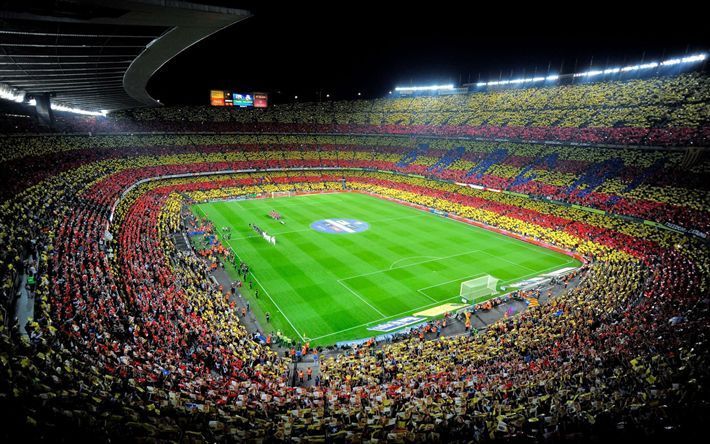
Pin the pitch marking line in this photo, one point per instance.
(426, 296)
(360, 297)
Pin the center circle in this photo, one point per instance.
(340, 226)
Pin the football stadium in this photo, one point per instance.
(492, 257)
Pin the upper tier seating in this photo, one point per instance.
(656, 111)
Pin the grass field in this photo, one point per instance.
(331, 287)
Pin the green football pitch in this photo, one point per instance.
(335, 286)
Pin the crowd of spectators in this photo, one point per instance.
(159, 350)
(665, 186)
(131, 338)
(645, 111)
(665, 110)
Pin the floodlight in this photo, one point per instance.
(71, 109)
(552, 77)
(671, 62)
(694, 58)
(424, 88)
(10, 93)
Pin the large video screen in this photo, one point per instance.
(241, 100)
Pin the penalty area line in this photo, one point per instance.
(411, 257)
(503, 282)
(443, 301)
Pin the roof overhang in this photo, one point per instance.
(100, 54)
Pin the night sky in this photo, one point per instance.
(345, 48)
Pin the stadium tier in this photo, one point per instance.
(656, 111)
(661, 186)
(132, 336)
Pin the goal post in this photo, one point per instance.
(475, 291)
(280, 194)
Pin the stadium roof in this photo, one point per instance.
(98, 54)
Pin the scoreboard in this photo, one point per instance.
(261, 100)
(240, 100)
(217, 98)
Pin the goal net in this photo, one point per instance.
(477, 290)
(280, 194)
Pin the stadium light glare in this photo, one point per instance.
(518, 81)
(694, 58)
(10, 93)
(17, 96)
(71, 109)
(649, 65)
(593, 72)
(671, 62)
(448, 87)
